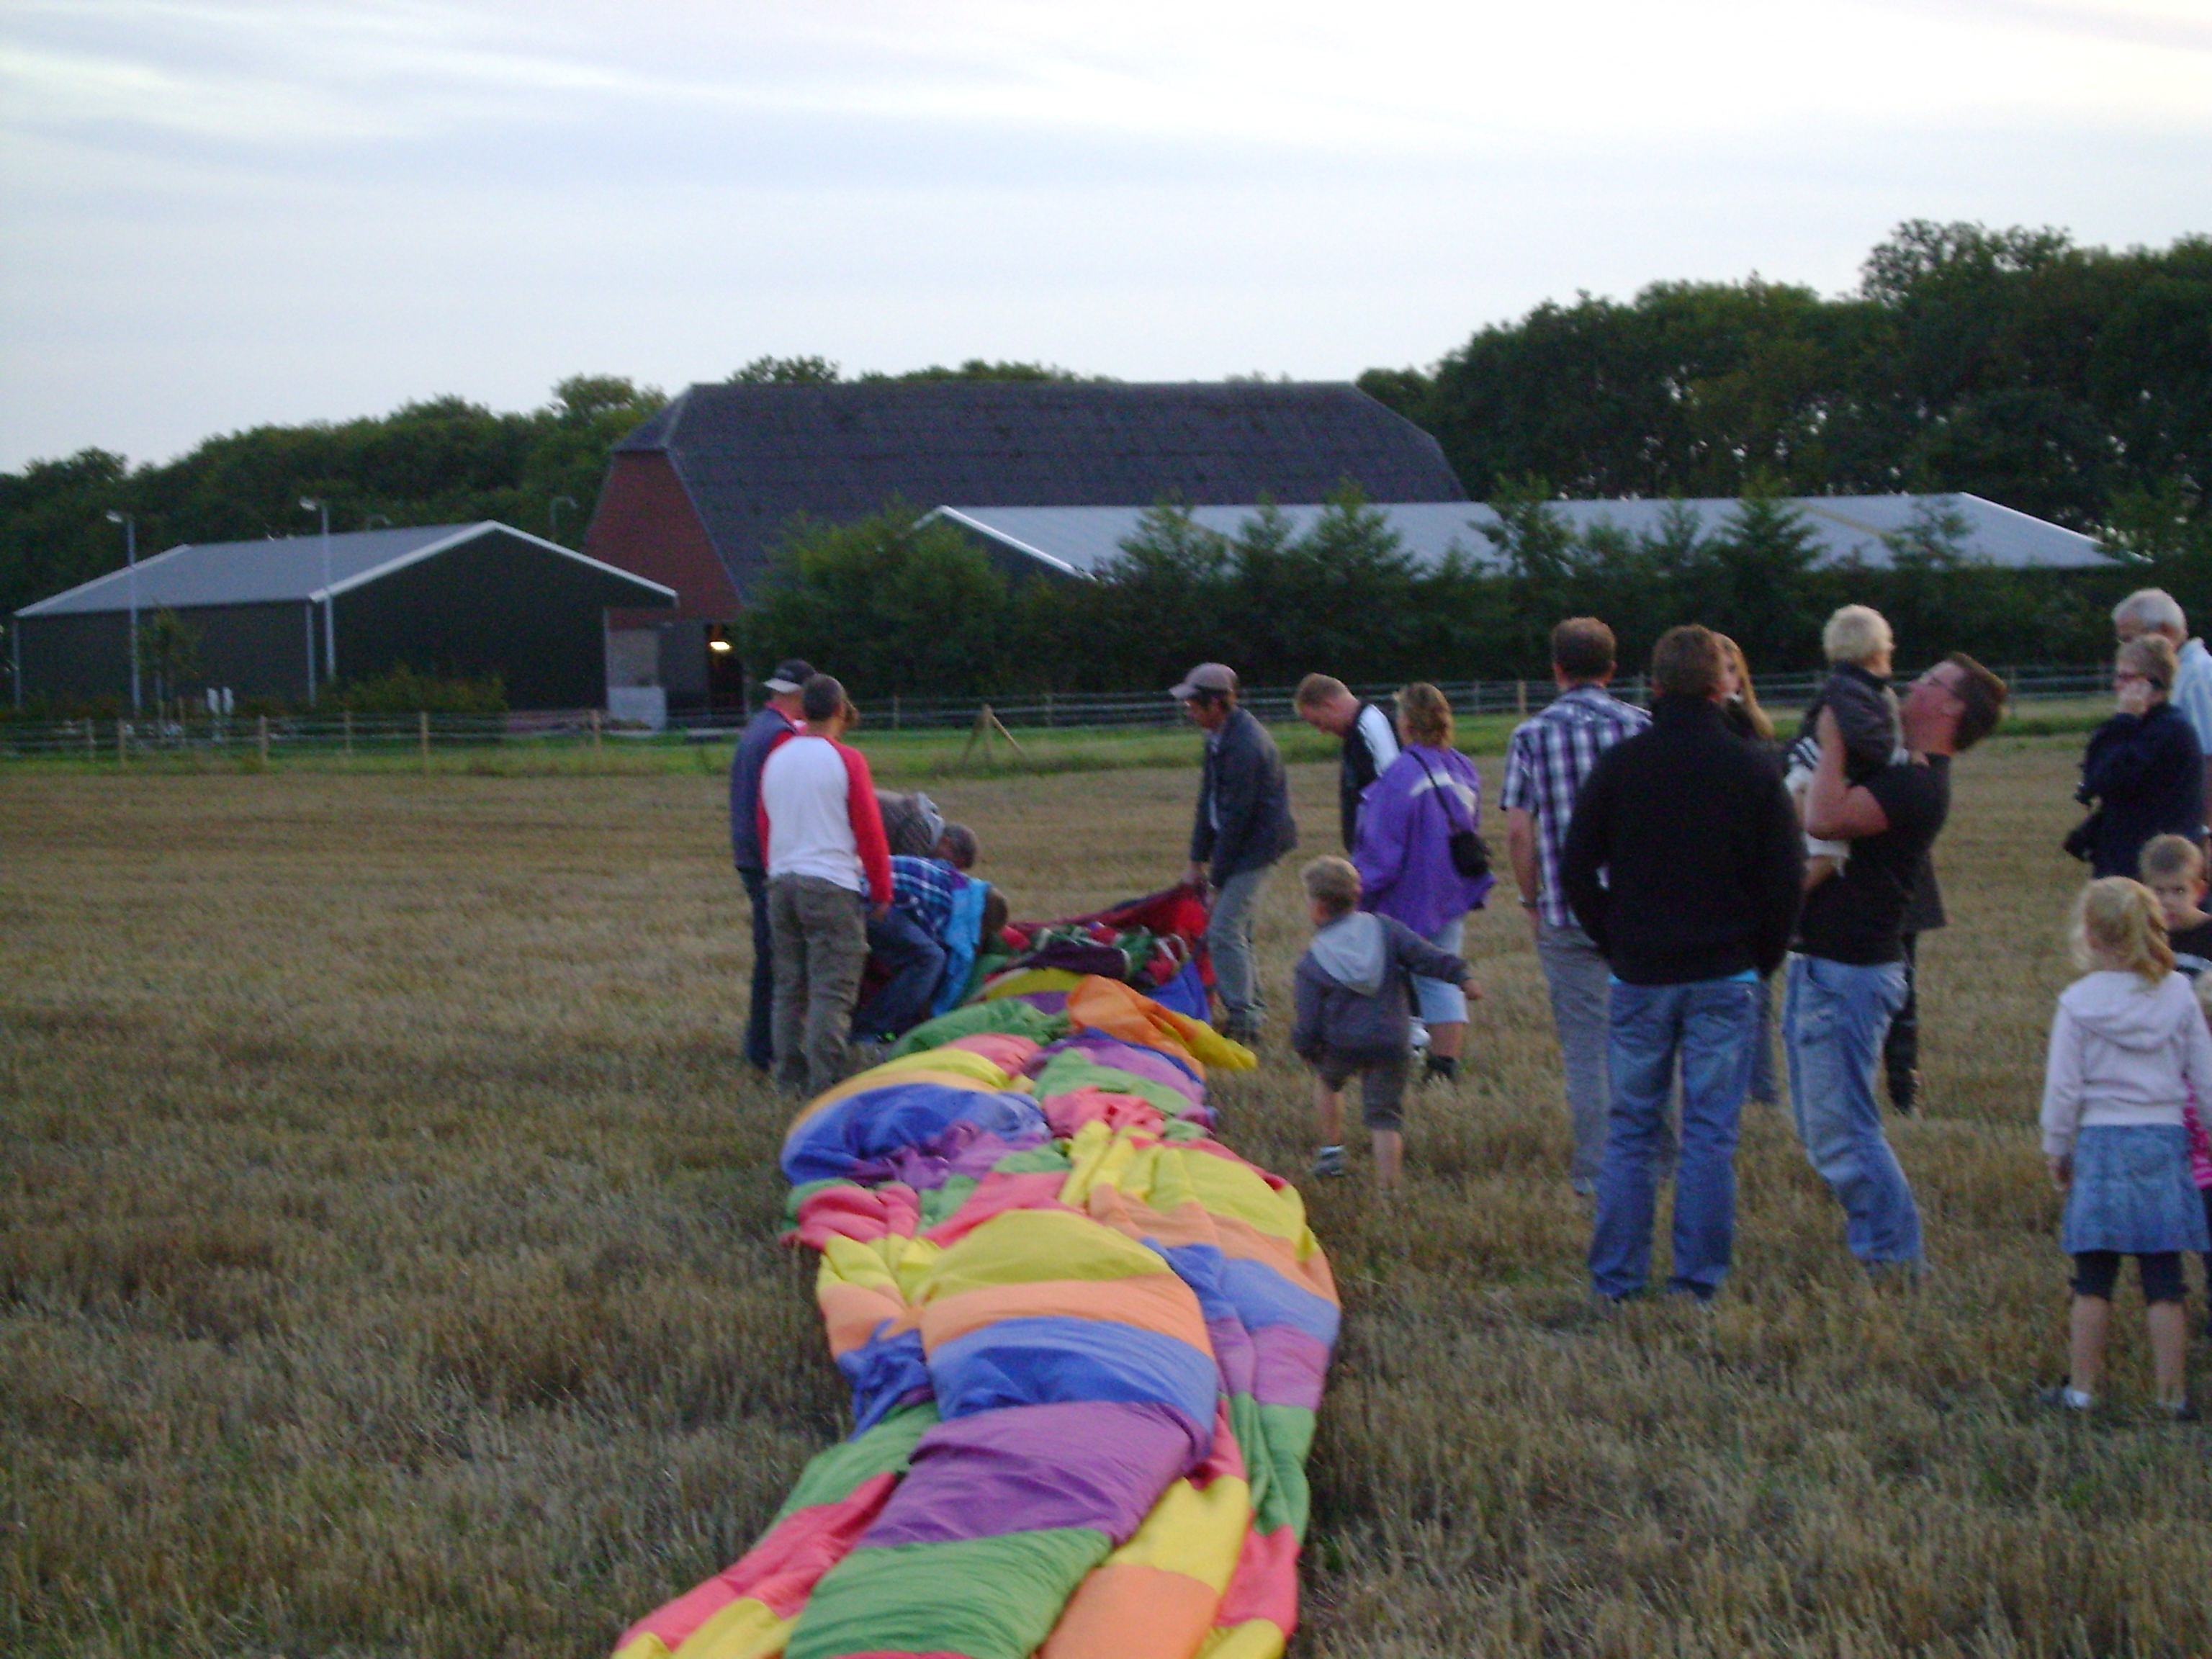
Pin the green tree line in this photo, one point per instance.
(2073, 383)
(892, 605)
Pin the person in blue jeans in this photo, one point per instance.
(1847, 974)
(777, 719)
(1683, 863)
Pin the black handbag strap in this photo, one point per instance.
(1437, 789)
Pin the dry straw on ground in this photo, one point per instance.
(386, 1262)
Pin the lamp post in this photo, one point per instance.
(314, 504)
(553, 513)
(129, 523)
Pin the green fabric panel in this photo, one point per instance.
(1034, 1160)
(1181, 1128)
(923, 1598)
(939, 1202)
(884, 1449)
(1278, 1439)
(1070, 1071)
(1006, 1014)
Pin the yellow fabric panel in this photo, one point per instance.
(1193, 1532)
(1164, 1177)
(893, 1265)
(1255, 1638)
(1030, 980)
(647, 1646)
(1030, 1244)
(744, 1630)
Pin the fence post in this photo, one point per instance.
(1049, 722)
(595, 728)
(895, 719)
(261, 737)
(1520, 698)
(422, 733)
(121, 736)
(348, 734)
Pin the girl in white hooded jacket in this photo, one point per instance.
(2128, 1044)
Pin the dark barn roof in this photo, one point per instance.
(754, 457)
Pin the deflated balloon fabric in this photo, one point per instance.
(1086, 1343)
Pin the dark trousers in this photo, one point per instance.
(760, 1030)
(915, 962)
(1900, 1049)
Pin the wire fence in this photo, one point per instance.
(423, 735)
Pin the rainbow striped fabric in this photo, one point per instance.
(1086, 1342)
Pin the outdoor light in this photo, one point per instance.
(129, 523)
(311, 504)
(718, 645)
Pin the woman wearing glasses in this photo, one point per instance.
(2143, 767)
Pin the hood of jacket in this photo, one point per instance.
(1352, 951)
(2129, 1011)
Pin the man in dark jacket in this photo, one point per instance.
(1683, 863)
(778, 719)
(1243, 825)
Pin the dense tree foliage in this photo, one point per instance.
(892, 607)
(2074, 383)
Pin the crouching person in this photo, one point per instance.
(1355, 1013)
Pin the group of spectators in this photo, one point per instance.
(844, 881)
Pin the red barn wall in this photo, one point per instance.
(645, 523)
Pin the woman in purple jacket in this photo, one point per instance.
(1406, 820)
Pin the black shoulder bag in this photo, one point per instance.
(1468, 855)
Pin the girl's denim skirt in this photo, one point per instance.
(2132, 1191)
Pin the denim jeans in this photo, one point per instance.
(1581, 995)
(1833, 1023)
(760, 1030)
(1228, 943)
(903, 949)
(1439, 1001)
(1708, 1027)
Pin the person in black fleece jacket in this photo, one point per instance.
(1684, 864)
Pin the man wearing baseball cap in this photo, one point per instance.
(778, 719)
(1243, 825)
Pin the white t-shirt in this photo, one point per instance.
(804, 790)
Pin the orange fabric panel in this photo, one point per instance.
(1159, 1301)
(1126, 1611)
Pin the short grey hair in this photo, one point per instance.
(2152, 609)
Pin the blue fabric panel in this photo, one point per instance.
(1034, 1362)
(876, 1123)
(963, 931)
(1185, 994)
(884, 1372)
(1250, 1293)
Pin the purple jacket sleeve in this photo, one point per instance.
(1380, 857)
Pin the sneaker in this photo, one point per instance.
(2065, 1397)
(1904, 1090)
(1329, 1161)
(2179, 1411)
(1440, 1068)
(1246, 1031)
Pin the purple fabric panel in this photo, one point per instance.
(1290, 1365)
(1147, 1063)
(1233, 1355)
(927, 1168)
(1045, 1002)
(1079, 1464)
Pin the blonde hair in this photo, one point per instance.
(1332, 884)
(2153, 656)
(2116, 924)
(1854, 634)
(1318, 691)
(2166, 856)
(1425, 714)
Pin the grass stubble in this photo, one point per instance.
(387, 1261)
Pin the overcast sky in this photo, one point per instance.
(219, 213)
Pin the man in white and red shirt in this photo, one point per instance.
(828, 866)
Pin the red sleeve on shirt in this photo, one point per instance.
(760, 795)
(867, 820)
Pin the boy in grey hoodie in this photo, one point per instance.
(1355, 1013)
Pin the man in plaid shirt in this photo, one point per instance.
(1544, 765)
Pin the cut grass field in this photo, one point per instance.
(387, 1261)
